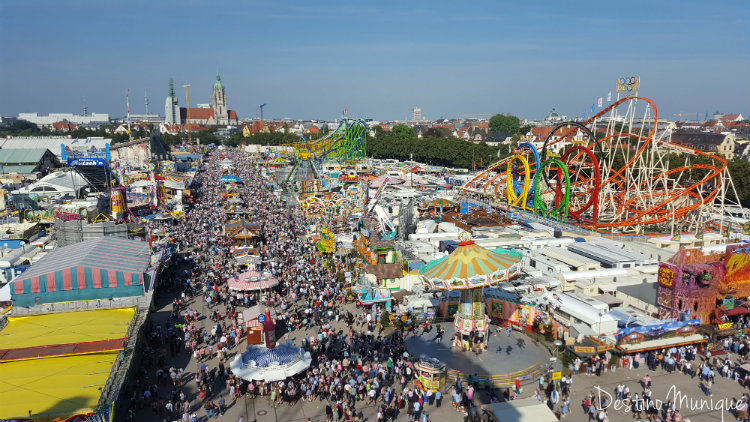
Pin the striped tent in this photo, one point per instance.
(471, 266)
(106, 267)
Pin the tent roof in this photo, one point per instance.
(469, 260)
(442, 203)
(111, 253)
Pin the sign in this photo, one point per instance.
(746, 228)
(404, 318)
(604, 348)
(87, 162)
(666, 277)
(726, 325)
(262, 318)
(584, 349)
(556, 375)
(630, 83)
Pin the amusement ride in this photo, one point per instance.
(613, 175)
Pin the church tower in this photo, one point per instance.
(171, 109)
(219, 103)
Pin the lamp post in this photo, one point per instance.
(557, 344)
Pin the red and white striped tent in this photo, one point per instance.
(253, 280)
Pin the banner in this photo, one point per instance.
(600, 101)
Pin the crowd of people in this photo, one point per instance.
(351, 364)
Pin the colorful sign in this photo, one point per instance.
(556, 375)
(650, 332)
(87, 162)
(628, 84)
(737, 277)
(726, 325)
(666, 277)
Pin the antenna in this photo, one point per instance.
(127, 103)
(85, 109)
(145, 94)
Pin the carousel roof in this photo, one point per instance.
(260, 363)
(471, 265)
(442, 203)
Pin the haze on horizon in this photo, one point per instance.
(376, 59)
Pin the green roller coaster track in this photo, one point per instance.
(562, 207)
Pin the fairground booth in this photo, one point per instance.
(107, 267)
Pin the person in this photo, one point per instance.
(565, 408)
(709, 384)
(438, 398)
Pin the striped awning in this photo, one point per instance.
(471, 266)
(94, 269)
(253, 280)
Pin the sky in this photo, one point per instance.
(376, 59)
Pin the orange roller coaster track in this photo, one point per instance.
(620, 176)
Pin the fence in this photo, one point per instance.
(526, 376)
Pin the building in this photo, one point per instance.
(218, 114)
(722, 144)
(416, 114)
(553, 117)
(27, 161)
(171, 109)
(92, 119)
(56, 143)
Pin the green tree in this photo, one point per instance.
(505, 123)
(207, 137)
(403, 132)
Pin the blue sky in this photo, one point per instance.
(377, 59)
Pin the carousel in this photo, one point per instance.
(468, 270)
(270, 361)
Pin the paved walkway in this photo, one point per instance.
(664, 386)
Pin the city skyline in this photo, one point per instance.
(376, 61)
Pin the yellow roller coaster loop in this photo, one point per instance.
(513, 199)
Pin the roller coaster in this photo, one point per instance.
(346, 143)
(613, 176)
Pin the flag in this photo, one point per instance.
(584, 115)
(592, 109)
(600, 102)
(609, 96)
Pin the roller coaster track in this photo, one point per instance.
(614, 181)
(347, 142)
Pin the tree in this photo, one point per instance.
(403, 132)
(505, 123)
(207, 137)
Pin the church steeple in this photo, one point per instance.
(219, 103)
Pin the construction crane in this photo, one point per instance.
(261, 110)
(187, 98)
